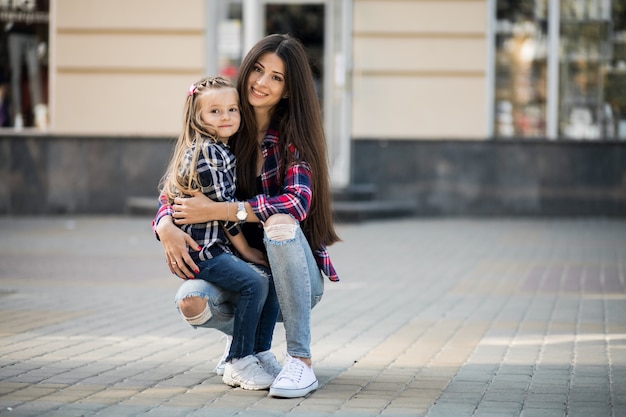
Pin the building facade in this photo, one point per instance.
(424, 99)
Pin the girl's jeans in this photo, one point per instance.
(248, 288)
(299, 283)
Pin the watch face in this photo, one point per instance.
(242, 214)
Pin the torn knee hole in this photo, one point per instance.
(200, 318)
(192, 305)
(281, 232)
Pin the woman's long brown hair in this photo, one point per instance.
(298, 120)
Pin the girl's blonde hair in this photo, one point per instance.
(181, 176)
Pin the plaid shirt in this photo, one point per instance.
(216, 172)
(293, 196)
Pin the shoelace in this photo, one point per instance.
(293, 371)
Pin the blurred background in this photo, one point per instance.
(431, 107)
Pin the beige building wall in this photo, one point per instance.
(420, 69)
(123, 68)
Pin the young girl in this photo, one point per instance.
(202, 161)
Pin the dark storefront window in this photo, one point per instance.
(590, 69)
(306, 22)
(300, 19)
(24, 64)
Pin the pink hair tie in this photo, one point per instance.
(192, 90)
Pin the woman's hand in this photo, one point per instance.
(175, 243)
(194, 209)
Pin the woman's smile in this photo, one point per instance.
(257, 93)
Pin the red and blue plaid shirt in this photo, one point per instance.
(292, 196)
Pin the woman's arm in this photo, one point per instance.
(201, 209)
(294, 198)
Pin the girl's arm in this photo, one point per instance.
(246, 251)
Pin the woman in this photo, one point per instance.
(282, 173)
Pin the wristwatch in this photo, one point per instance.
(242, 214)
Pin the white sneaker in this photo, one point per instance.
(269, 363)
(295, 380)
(219, 369)
(246, 373)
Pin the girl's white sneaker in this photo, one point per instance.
(219, 368)
(246, 373)
(269, 362)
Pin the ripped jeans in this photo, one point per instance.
(298, 281)
(228, 282)
(295, 284)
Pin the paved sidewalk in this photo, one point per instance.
(433, 317)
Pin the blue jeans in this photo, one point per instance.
(299, 286)
(249, 289)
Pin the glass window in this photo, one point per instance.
(521, 68)
(230, 39)
(591, 69)
(305, 22)
(302, 20)
(24, 63)
(585, 52)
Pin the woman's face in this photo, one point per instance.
(266, 82)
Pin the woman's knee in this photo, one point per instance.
(280, 227)
(279, 218)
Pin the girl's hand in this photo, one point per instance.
(194, 209)
(255, 256)
(175, 243)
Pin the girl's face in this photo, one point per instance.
(220, 109)
(266, 82)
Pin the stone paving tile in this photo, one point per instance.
(433, 317)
